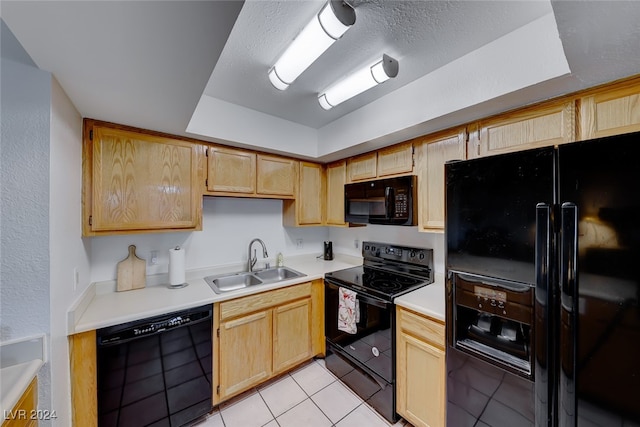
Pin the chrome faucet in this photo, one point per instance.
(253, 259)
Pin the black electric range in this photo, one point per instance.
(388, 271)
(363, 354)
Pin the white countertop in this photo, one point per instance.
(101, 306)
(14, 380)
(20, 361)
(428, 300)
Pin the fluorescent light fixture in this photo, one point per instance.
(333, 20)
(358, 82)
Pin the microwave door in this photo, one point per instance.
(356, 204)
(377, 198)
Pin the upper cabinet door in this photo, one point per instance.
(432, 156)
(610, 112)
(538, 126)
(308, 207)
(362, 167)
(231, 171)
(276, 176)
(311, 194)
(336, 178)
(136, 182)
(395, 160)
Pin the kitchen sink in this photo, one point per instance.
(277, 274)
(233, 281)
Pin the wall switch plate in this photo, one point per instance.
(299, 244)
(153, 259)
(356, 243)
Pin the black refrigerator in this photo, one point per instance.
(543, 286)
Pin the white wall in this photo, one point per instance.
(343, 240)
(225, 121)
(68, 251)
(229, 224)
(24, 200)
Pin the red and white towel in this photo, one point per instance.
(348, 311)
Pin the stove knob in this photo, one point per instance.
(366, 247)
(421, 256)
(412, 254)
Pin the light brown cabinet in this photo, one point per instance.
(336, 179)
(265, 334)
(138, 182)
(538, 126)
(242, 173)
(22, 414)
(394, 160)
(308, 207)
(362, 167)
(291, 334)
(231, 171)
(84, 379)
(245, 344)
(421, 373)
(276, 176)
(612, 111)
(432, 154)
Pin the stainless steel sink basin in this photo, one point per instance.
(233, 281)
(277, 274)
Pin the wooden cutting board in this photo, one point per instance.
(132, 273)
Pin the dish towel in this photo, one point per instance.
(348, 311)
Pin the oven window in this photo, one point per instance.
(372, 343)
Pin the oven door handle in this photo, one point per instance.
(361, 296)
(371, 301)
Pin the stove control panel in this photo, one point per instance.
(385, 251)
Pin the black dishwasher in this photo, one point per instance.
(156, 371)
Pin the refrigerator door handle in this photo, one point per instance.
(569, 253)
(544, 358)
(568, 315)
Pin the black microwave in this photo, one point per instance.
(384, 201)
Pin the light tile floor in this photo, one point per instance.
(309, 396)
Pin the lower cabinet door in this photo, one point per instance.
(291, 334)
(420, 382)
(245, 352)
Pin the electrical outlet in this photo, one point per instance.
(299, 244)
(153, 259)
(356, 243)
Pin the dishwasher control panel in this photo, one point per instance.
(151, 326)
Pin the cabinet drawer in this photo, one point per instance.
(251, 303)
(421, 327)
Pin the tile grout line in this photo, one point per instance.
(268, 407)
(310, 395)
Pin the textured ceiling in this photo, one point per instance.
(199, 68)
(421, 35)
